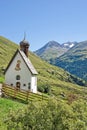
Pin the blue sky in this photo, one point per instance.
(43, 21)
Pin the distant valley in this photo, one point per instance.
(71, 56)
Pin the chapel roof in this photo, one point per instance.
(26, 60)
(28, 63)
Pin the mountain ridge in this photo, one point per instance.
(53, 49)
(74, 60)
(66, 99)
(44, 69)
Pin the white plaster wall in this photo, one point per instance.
(25, 75)
(34, 84)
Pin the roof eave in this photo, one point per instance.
(11, 61)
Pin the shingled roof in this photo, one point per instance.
(26, 60)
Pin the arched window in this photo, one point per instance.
(18, 77)
(24, 85)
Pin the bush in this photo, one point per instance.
(45, 88)
(49, 116)
(41, 89)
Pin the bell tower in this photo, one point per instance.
(24, 46)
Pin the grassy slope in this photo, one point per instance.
(57, 78)
(6, 106)
(6, 51)
(45, 70)
(48, 74)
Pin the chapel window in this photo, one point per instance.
(18, 77)
(24, 85)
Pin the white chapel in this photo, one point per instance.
(20, 72)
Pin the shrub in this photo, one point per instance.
(44, 88)
(48, 116)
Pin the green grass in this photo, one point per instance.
(7, 50)
(6, 106)
(60, 81)
(47, 74)
(1, 79)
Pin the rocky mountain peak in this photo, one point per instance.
(52, 44)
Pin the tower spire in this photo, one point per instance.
(24, 45)
(24, 35)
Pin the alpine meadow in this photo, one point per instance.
(65, 109)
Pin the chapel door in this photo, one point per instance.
(18, 85)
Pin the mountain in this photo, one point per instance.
(74, 60)
(69, 44)
(53, 49)
(67, 102)
(48, 74)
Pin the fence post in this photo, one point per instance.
(27, 95)
(4, 87)
(42, 96)
(15, 92)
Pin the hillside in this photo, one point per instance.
(45, 70)
(7, 49)
(51, 79)
(68, 100)
(74, 60)
(53, 49)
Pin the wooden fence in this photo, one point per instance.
(22, 94)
